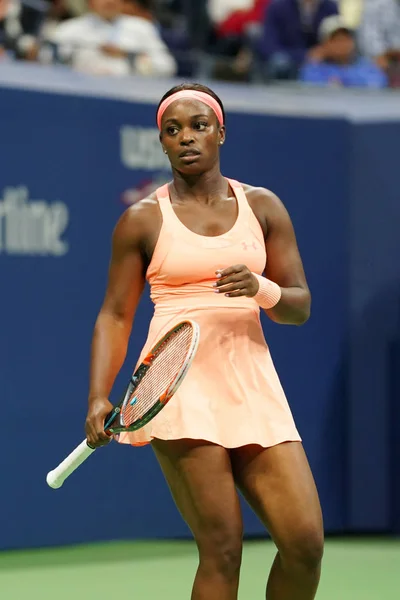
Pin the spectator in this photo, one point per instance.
(221, 10)
(339, 64)
(233, 22)
(199, 29)
(380, 34)
(3, 13)
(19, 27)
(107, 42)
(58, 11)
(242, 14)
(291, 34)
(138, 8)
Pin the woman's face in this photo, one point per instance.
(191, 136)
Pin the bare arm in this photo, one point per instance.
(114, 322)
(284, 266)
(115, 319)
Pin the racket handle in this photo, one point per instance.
(57, 476)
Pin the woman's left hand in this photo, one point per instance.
(236, 281)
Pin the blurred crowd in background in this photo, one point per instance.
(350, 43)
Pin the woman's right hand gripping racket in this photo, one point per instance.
(151, 387)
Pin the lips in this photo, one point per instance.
(188, 153)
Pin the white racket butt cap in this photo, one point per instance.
(53, 481)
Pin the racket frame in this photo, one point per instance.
(57, 476)
(114, 423)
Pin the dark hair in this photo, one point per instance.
(146, 4)
(198, 87)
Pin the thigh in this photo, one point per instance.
(279, 486)
(199, 475)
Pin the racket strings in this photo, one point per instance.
(167, 361)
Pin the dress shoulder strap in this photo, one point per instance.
(248, 217)
(164, 201)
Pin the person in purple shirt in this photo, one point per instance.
(339, 64)
(291, 34)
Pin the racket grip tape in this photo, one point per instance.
(57, 476)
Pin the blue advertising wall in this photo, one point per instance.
(70, 163)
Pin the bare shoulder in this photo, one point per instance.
(139, 222)
(261, 198)
(267, 206)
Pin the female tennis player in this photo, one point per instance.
(215, 251)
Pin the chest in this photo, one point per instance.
(208, 220)
(96, 32)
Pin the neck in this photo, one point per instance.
(204, 188)
(144, 14)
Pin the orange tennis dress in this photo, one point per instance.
(231, 395)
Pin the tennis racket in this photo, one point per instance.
(150, 388)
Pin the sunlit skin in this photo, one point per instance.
(189, 126)
(204, 477)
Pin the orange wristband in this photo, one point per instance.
(269, 293)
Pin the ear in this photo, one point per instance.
(221, 135)
(162, 146)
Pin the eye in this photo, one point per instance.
(200, 125)
(172, 130)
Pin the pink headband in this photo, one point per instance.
(194, 95)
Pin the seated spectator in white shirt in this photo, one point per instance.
(107, 42)
(339, 63)
(379, 35)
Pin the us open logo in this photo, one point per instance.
(140, 148)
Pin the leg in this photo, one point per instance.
(199, 475)
(278, 484)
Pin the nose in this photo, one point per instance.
(186, 137)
